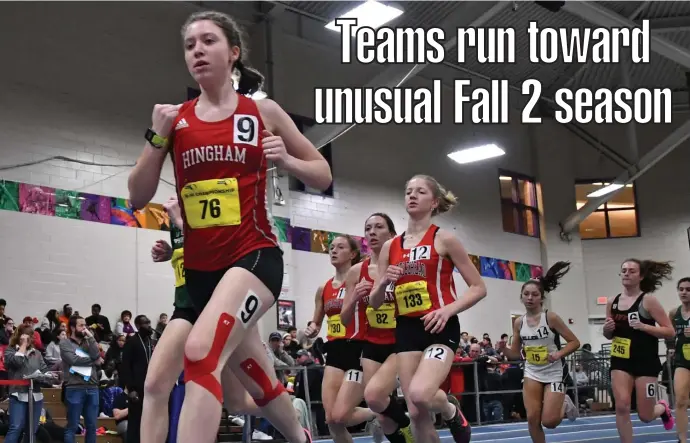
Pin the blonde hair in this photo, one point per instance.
(446, 199)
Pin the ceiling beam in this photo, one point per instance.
(645, 163)
(396, 75)
(668, 24)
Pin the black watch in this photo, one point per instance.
(155, 140)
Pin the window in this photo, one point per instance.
(519, 206)
(304, 123)
(616, 218)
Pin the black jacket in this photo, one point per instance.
(136, 355)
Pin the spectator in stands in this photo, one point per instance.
(80, 361)
(464, 341)
(314, 379)
(502, 343)
(3, 305)
(38, 344)
(136, 356)
(50, 321)
(281, 358)
(99, 324)
(66, 314)
(22, 358)
(120, 413)
(162, 323)
(52, 357)
(124, 326)
(7, 331)
(290, 345)
(113, 357)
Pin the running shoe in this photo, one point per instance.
(458, 425)
(571, 410)
(374, 429)
(406, 432)
(667, 417)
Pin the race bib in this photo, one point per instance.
(686, 351)
(383, 317)
(209, 203)
(177, 262)
(620, 347)
(412, 297)
(336, 328)
(537, 355)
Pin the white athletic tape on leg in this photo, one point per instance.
(249, 309)
(650, 390)
(436, 353)
(354, 375)
(557, 387)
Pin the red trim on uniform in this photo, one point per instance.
(333, 305)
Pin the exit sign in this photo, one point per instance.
(602, 300)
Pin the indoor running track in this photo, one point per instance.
(601, 429)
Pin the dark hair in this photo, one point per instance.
(139, 319)
(3, 302)
(65, 306)
(389, 223)
(549, 281)
(682, 280)
(126, 312)
(251, 80)
(72, 323)
(55, 335)
(652, 272)
(291, 328)
(96, 305)
(504, 335)
(354, 246)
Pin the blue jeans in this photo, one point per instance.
(493, 410)
(81, 401)
(19, 417)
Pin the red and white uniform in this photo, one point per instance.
(220, 169)
(427, 281)
(380, 322)
(333, 306)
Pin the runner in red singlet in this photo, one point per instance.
(418, 267)
(378, 355)
(221, 144)
(342, 388)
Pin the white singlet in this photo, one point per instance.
(537, 344)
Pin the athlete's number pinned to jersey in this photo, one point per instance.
(420, 253)
(250, 307)
(210, 208)
(341, 294)
(557, 387)
(650, 390)
(354, 375)
(436, 353)
(246, 129)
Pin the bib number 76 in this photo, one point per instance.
(210, 207)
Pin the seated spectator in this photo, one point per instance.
(280, 357)
(52, 357)
(99, 324)
(120, 413)
(114, 355)
(28, 321)
(290, 345)
(3, 318)
(66, 314)
(162, 323)
(50, 321)
(7, 331)
(22, 358)
(124, 325)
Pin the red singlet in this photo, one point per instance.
(381, 322)
(220, 169)
(332, 306)
(427, 281)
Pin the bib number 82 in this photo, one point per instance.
(212, 207)
(381, 319)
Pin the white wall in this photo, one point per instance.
(84, 88)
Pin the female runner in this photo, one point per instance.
(222, 142)
(680, 319)
(378, 354)
(631, 321)
(419, 267)
(167, 362)
(341, 389)
(539, 334)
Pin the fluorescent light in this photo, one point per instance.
(505, 178)
(597, 183)
(471, 155)
(629, 185)
(371, 14)
(604, 191)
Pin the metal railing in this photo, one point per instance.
(596, 393)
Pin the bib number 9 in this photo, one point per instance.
(246, 130)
